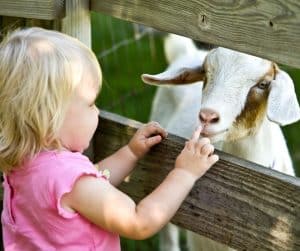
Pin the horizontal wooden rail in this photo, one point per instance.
(266, 28)
(37, 9)
(239, 203)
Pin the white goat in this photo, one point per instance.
(244, 100)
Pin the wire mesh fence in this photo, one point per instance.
(125, 51)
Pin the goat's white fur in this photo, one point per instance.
(231, 77)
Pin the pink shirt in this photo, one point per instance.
(32, 216)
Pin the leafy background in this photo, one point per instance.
(123, 58)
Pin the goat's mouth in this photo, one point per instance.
(210, 134)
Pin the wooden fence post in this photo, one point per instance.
(77, 22)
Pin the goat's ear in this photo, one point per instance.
(185, 70)
(283, 107)
(181, 77)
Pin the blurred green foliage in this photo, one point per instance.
(124, 93)
(292, 132)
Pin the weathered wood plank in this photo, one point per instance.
(38, 9)
(266, 28)
(8, 24)
(238, 203)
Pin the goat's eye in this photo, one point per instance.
(264, 84)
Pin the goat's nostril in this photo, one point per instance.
(215, 120)
(202, 117)
(209, 116)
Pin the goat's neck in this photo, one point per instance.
(259, 147)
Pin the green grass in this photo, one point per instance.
(124, 93)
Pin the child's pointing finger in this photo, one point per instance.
(196, 133)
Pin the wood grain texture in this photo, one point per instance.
(77, 22)
(38, 9)
(239, 203)
(266, 28)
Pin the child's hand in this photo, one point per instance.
(197, 156)
(146, 137)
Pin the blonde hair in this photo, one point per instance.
(39, 71)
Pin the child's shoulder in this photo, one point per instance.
(55, 162)
(58, 155)
(54, 167)
(62, 159)
(55, 155)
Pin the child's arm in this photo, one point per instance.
(121, 163)
(110, 209)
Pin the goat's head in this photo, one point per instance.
(239, 92)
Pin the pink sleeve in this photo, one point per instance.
(66, 188)
(69, 176)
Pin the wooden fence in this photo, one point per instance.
(239, 203)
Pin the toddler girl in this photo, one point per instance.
(54, 197)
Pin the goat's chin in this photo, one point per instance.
(216, 137)
(238, 133)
